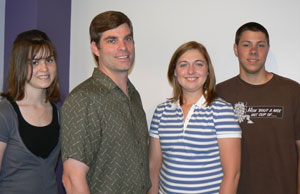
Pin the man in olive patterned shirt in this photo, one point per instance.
(104, 129)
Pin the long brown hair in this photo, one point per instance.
(25, 48)
(209, 88)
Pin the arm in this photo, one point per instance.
(298, 147)
(2, 150)
(230, 152)
(155, 160)
(74, 177)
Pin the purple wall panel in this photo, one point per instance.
(54, 17)
(19, 16)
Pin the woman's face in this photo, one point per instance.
(191, 71)
(43, 70)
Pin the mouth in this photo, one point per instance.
(253, 60)
(122, 57)
(44, 77)
(191, 78)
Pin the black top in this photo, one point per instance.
(39, 140)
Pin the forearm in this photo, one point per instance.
(229, 184)
(154, 176)
(298, 147)
(155, 161)
(74, 177)
(2, 150)
(74, 185)
(298, 176)
(230, 152)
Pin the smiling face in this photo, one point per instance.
(191, 71)
(252, 51)
(115, 51)
(42, 72)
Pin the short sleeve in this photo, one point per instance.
(4, 134)
(74, 141)
(226, 123)
(156, 121)
(6, 119)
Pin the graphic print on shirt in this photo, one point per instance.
(244, 112)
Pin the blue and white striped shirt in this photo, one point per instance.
(191, 159)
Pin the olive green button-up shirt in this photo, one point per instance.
(107, 130)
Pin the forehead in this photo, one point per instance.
(118, 32)
(249, 35)
(192, 55)
(41, 51)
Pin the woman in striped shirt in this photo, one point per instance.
(194, 136)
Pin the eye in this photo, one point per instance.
(50, 60)
(261, 45)
(199, 64)
(128, 39)
(111, 41)
(245, 45)
(35, 62)
(182, 65)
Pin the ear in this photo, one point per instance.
(235, 49)
(95, 49)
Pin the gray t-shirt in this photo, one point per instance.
(22, 171)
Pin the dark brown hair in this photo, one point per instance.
(25, 48)
(106, 21)
(209, 88)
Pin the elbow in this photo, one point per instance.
(236, 177)
(66, 180)
(233, 177)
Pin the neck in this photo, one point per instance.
(34, 97)
(122, 83)
(256, 78)
(191, 98)
(119, 78)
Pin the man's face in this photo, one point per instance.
(252, 52)
(116, 53)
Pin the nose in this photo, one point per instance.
(43, 65)
(122, 45)
(253, 50)
(191, 69)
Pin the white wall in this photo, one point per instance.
(2, 19)
(160, 26)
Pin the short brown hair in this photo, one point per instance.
(209, 88)
(25, 48)
(251, 26)
(106, 21)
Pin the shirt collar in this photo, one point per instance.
(108, 83)
(199, 103)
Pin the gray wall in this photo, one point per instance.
(160, 26)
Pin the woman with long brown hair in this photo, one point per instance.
(29, 119)
(194, 136)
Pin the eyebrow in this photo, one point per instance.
(260, 41)
(43, 57)
(115, 37)
(198, 60)
(110, 37)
